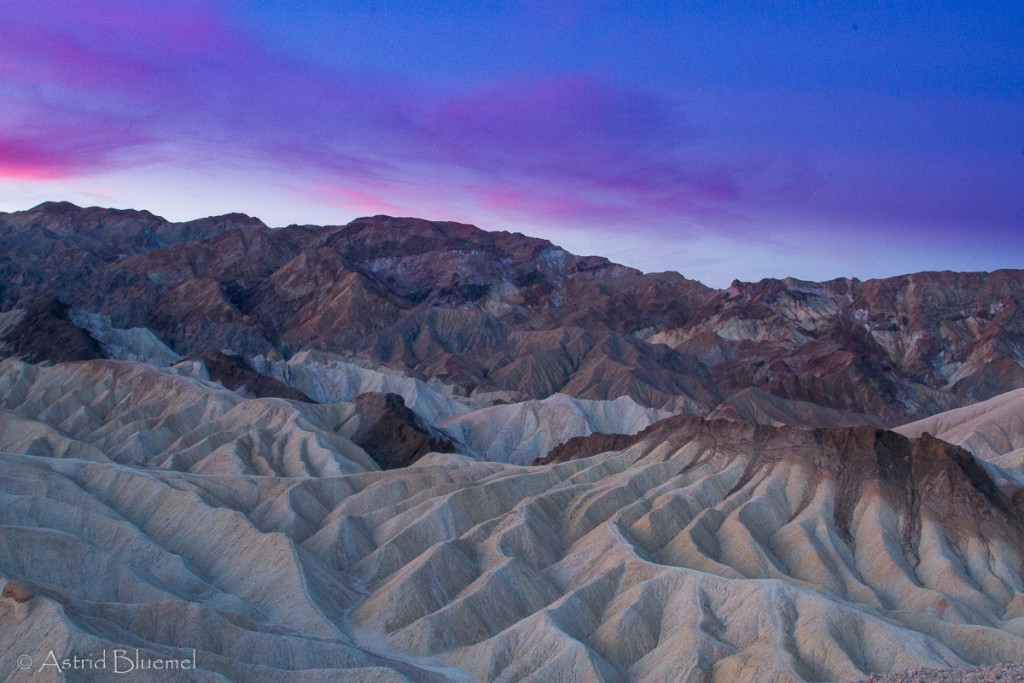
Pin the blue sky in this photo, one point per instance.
(721, 140)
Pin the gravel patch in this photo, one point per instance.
(1009, 673)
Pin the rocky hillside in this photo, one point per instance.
(502, 313)
(400, 450)
(157, 510)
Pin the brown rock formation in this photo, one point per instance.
(233, 373)
(498, 311)
(391, 433)
(17, 591)
(45, 333)
(586, 446)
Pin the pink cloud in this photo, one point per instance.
(21, 161)
(46, 56)
(53, 151)
(523, 202)
(159, 28)
(355, 200)
(100, 90)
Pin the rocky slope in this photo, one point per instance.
(392, 434)
(993, 430)
(705, 550)
(520, 433)
(224, 437)
(134, 414)
(504, 314)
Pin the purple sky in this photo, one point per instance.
(722, 140)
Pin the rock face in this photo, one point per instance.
(503, 314)
(392, 434)
(235, 374)
(993, 430)
(755, 405)
(586, 446)
(910, 345)
(17, 591)
(522, 432)
(45, 332)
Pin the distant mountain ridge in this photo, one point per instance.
(505, 313)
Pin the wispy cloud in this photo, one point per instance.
(97, 90)
(153, 84)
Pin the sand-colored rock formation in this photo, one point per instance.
(519, 433)
(507, 432)
(138, 344)
(134, 414)
(992, 430)
(327, 378)
(705, 550)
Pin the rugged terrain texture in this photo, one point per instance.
(155, 509)
(219, 436)
(504, 314)
(392, 434)
(993, 430)
(134, 414)
(1001, 673)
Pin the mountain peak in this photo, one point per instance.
(69, 209)
(228, 221)
(55, 207)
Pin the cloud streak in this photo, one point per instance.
(571, 148)
(153, 84)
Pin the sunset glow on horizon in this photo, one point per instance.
(853, 139)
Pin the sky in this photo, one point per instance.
(721, 140)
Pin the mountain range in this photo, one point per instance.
(504, 314)
(415, 450)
